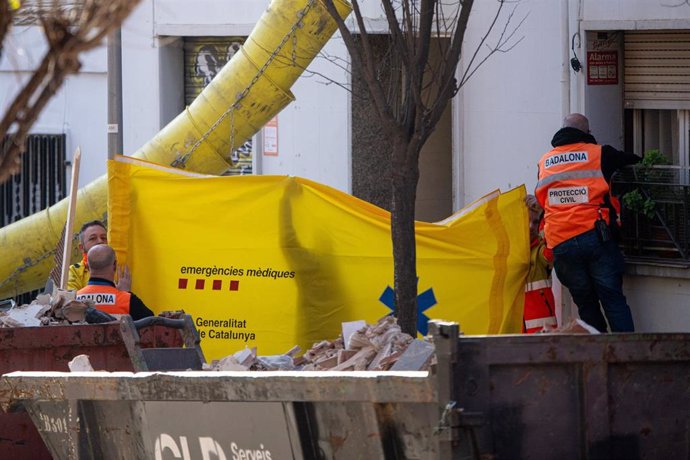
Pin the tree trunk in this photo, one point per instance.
(405, 177)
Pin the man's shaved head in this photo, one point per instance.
(101, 260)
(577, 121)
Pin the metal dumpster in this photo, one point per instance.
(115, 346)
(609, 396)
(544, 396)
(224, 415)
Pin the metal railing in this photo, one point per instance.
(40, 183)
(662, 233)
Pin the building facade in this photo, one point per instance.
(623, 63)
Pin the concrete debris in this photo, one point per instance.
(7, 321)
(370, 347)
(172, 314)
(350, 328)
(416, 355)
(229, 363)
(80, 363)
(60, 309)
(576, 326)
(23, 315)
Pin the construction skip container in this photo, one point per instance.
(542, 396)
(150, 343)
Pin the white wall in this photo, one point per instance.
(314, 130)
(658, 304)
(207, 17)
(634, 10)
(512, 106)
(141, 100)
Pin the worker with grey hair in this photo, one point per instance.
(91, 234)
(101, 289)
(573, 188)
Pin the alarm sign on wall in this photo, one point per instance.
(602, 67)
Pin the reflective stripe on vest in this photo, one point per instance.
(540, 323)
(106, 298)
(534, 285)
(570, 175)
(571, 188)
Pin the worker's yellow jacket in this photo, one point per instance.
(78, 276)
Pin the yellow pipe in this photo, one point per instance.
(250, 90)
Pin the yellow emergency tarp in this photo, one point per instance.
(274, 261)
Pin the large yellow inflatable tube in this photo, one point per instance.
(250, 90)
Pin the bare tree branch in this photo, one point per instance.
(327, 81)
(400, 41)
(499, 47)
(68, 33)
(447, 81)
(361, 56)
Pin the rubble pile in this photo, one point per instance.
(575, 326)
(45, 310)
(382, 346)
(59, 309)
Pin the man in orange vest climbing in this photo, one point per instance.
(101, 288)
(91, 234)
(572, 188)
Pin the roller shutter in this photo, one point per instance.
(203, 59)
(657, 69)
(31, 11)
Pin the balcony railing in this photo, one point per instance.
(662, 234)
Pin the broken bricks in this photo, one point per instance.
(381, 346)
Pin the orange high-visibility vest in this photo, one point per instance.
(106, 298)
(571, 190)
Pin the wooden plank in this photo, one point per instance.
(71, 210)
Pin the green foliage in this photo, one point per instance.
(654, 157)
(634, 200)
(637, 203)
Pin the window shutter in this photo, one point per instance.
(657, 69)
